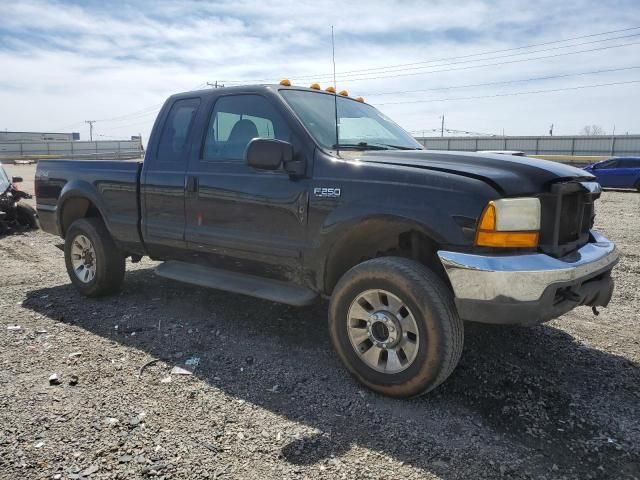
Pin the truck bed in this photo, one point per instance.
(112, 185)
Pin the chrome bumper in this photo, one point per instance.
(524, 277)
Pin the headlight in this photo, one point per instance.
(510, 223)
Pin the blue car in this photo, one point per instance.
(617, 172)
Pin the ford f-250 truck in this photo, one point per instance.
(290, 194)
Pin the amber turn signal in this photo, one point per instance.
(344, 93)
(330, 90)
(285, 82)
(507, 239)
(315, 86)
(488, 236)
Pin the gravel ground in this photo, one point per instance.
(269, 399)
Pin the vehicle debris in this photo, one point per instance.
(148, 364)
(193, 361)
(180, 371)
(15, 216)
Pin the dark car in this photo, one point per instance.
(617, 172)
(14, 215)
(257, 190)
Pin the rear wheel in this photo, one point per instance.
(94, 263)
(395, 326)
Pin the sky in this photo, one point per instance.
(471, 61)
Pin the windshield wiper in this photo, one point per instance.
(361, 146)
(399, 147)
(373, 146)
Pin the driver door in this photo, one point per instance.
(238, 217)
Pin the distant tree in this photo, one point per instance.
(592, 130)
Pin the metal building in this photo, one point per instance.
(38, 136)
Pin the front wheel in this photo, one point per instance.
(395, 326)
(27, 216)
(94, 263)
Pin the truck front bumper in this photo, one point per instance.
(530, 288)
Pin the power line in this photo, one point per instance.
(520, 60)
(523, 47)
(128, 116)
(505, 82)
(68, 126)
(511, 94)
(507, 62)
(118, 127)
(450, 130)
(138, 113)
(398, 70)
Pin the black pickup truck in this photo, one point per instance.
(290, 194)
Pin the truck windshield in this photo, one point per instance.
(360, 126)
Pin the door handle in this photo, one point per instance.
(191, 184)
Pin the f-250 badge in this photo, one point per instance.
(326, 192)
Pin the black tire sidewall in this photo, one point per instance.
(97, 234)
(430, 359)
(27, 214)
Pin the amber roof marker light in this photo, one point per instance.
(285, 82)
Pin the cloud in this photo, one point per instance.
(64, 62)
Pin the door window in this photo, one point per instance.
(608, 164)
(173, 140)
(629, 163)
(238, 119)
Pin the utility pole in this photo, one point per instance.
(613, 139)
(90, 122)
(442, 127)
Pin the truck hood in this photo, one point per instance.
(511, 175)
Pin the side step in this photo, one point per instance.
(267, 289)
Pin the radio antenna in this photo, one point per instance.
(335, 90)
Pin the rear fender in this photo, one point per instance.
(78, 190)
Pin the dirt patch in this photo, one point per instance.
(269, 399)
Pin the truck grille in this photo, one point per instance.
(567, 216)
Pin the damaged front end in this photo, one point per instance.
(15, 216)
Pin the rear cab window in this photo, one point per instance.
(173, 144)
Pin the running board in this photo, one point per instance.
(267, 289)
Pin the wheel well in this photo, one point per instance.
(380, 238)
(75, 208)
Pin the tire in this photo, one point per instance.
(27, 216)
(422, 359)
(101, 256)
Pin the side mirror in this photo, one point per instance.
(16, 179)
(267, 153)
